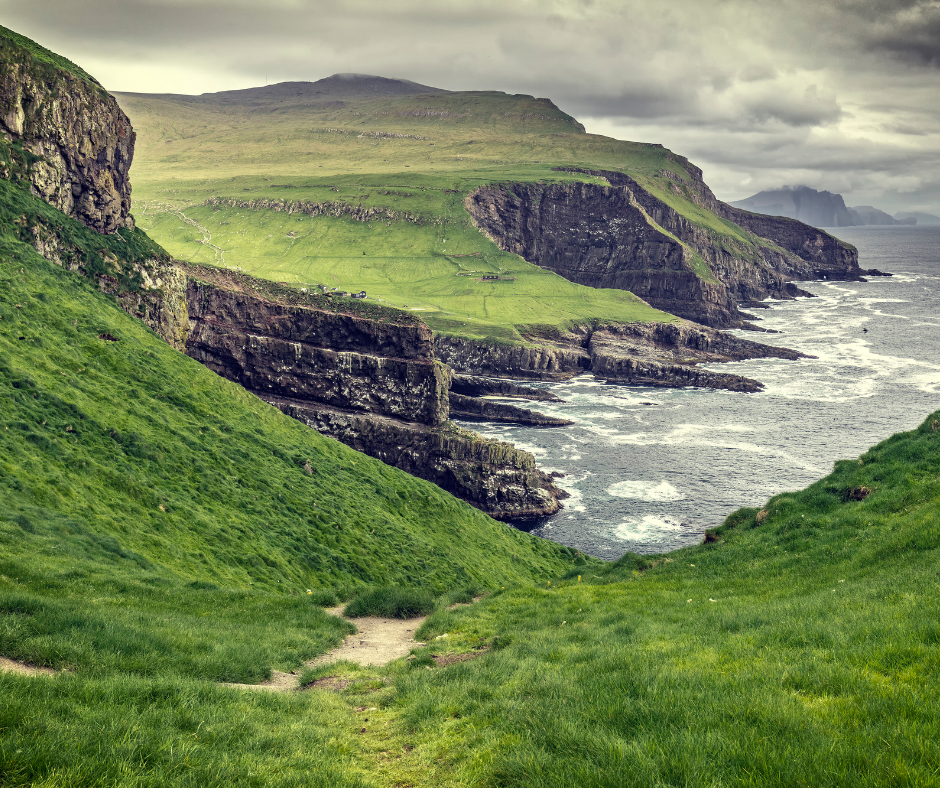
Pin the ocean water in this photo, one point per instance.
(650, 469)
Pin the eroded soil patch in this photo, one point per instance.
(23, 669)
(378, 642)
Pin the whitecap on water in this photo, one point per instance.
(646, 491)
(650, 529)
(575, 501)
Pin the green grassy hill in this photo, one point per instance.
(140, 492)
(798, 647)
(203, 165)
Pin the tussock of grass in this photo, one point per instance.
(391, 602)
(323, 597)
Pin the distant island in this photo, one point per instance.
(925, 219)
(825, 209)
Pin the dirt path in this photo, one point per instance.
(22, 669)
(378, 642)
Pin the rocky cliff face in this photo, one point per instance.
(65, 135)
(495, 477)
(477, 409)
(648, 354)
(622, 236)
(312, 355)
(367, 380)
(809, 253)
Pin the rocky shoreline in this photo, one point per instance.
(647, 354)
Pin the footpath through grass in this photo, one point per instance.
(801, 648)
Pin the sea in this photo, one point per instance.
(649, 469)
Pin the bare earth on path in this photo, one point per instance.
(378, 642)
(22, 669)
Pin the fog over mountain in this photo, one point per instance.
(840, 96)
(819, 208)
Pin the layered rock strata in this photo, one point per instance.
(494, 477)
(471, 386)
(477, 409)
(369, 382)
(649, 354)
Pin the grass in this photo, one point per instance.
(433, 270)
(207, 175)
(74, 732)
(798, 647)
(157, 520)
(805, 628)
(391, 603)
(18, 48)
(158, 534)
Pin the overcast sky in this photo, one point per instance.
(841, 95)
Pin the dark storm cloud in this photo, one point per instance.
(836, 91)
(915, 40)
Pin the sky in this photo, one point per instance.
(841, 95)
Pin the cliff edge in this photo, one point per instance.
(623, 236)
(61, 132)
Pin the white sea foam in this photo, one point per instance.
(649, 528)
(574, 503)
(645, 491)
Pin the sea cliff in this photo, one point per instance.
(623, 236)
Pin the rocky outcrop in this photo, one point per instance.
(647, 354)
(66, 136)
(601, 237)
(317, 356)
(370, 380)
(471, 386)
(808, 253)
(622, 236)
(543, 361)
(494, 477)
(335, 209)
(476, 409)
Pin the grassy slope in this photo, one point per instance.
(156, 518)
(190, 151)
(802, 649)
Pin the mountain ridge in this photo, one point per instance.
(336, 86)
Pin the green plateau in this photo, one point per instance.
(218, 182)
